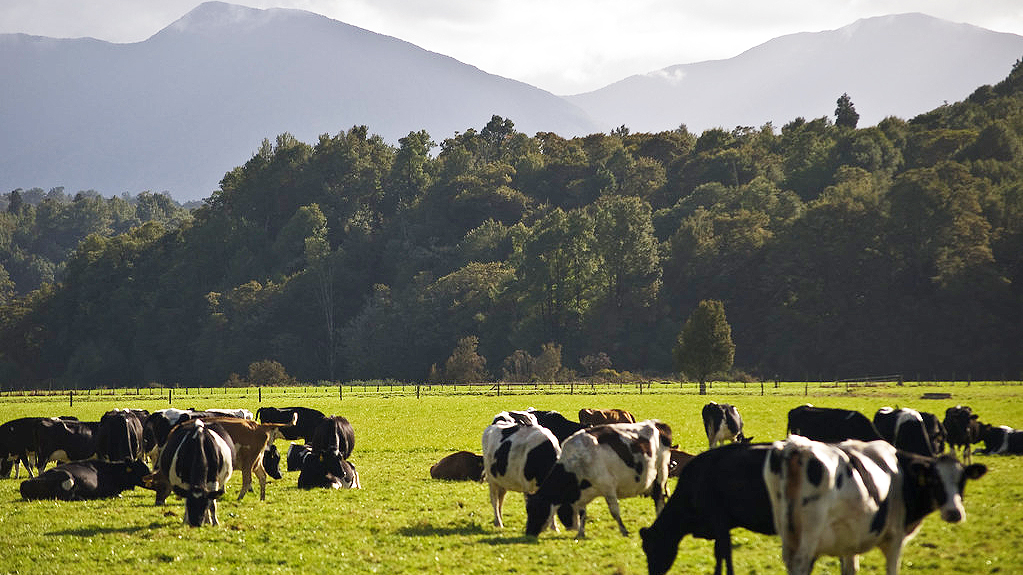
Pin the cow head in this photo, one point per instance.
(945, 479)
(272, 461)
(660, 550)
(557, 493)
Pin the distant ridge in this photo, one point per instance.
(900, 65)
(177, 111)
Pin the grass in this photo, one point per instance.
(404, 522)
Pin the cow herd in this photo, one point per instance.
(193, 454)
(840, 484)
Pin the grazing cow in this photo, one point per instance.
(119, 437)
(963, 429)
(329, 470)
(722, 422)
(197, 463)
(604, 416)
(558, 424)
(904, 428)
(253, 453)
(64, 441)
(80, 480)
(678, 459)
(846, 499)
(614, 461)
(297, 452)
(517, 454)
(717, 491)
(831, 425)
(303, 421)
(1001, 440)
(459, 466)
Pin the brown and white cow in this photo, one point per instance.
(604, 416)
(614, 461)
(847, 498)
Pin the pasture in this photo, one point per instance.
(402, 521)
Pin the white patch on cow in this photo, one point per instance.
(242, 413)
(1003, 447)
(907, 415)
(68, 484)
(59, 455)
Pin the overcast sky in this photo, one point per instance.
(563, 46)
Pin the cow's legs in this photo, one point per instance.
(612, 506)
(246, 482)
(497, 502)
(723, 552)
(582, 525)
(261, 475)
(212, 511)
(850, 564)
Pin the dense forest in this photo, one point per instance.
(837, 251)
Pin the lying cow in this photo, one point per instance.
(604, 416)
(80, 480)
(846, 499)
(717, 491)
(459, 466)
(517, 454)
(722, 422)
(297, 452)
(1001, 440)
(614, 461)
(197, 463)
(830, 425)
(327, 470)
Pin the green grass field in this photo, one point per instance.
(404, 522)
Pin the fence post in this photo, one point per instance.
(498, 389)
(170, 395)
(260, 390)
(340, 392)
(417, 391)
(761, 387)
(71, 398)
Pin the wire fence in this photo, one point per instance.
(383, 389)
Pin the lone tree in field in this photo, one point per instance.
(845, 112)
(465, 365)
(705, 345)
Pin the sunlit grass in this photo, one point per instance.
(404, 522)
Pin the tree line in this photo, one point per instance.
(837, 251)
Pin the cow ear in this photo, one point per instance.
(975, 471)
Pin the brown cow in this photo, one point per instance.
(678, 460)
(602, 416)
(459, 466)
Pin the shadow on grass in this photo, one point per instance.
(426, 529)
(98, 530)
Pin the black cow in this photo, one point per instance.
(558, 424)
(1001, 440)
(296, 455)
(333, 434)
(722, 422)
(119, 437)
(935, 432)
(81, 480)
(717, 491)
(197, 463)
(904, 428)
(303, 427)
(328, 470)
(64, 441)
(963, 429)
(831, 425)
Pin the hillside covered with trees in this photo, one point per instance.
(837, 251)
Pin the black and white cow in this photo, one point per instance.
(846, 499)
(63, 441)
(90, 479)
(1001, 440)
(935, 432)
(297, 452)
(302, 421)
(904, 428)
(157, 425)
(615, 461)
(119, 437)
(722, 422)
(558, 424)
(831, 425)
(197, 461)
(963, 429)
(17, 445)
(517, 454)
(327, 470)
(239, 413)
(333, 434)
(718, 490)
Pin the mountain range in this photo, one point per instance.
(178, 110)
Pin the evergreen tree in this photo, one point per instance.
(705, 345)
(845, 113)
